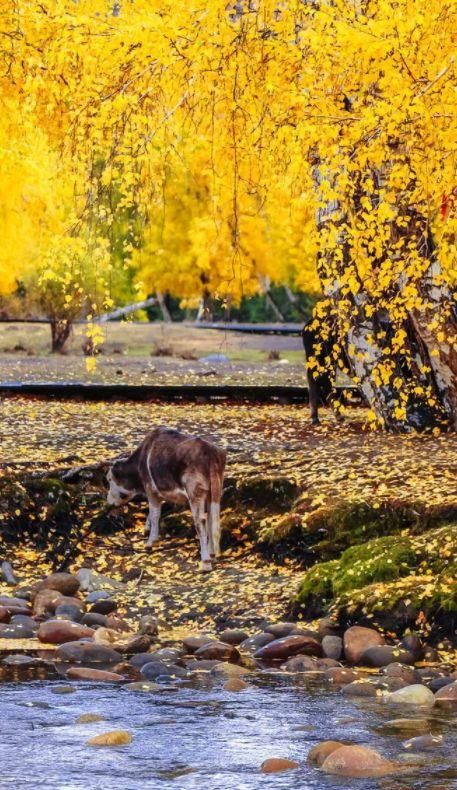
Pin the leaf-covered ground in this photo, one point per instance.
(389, 480)
(151, 353)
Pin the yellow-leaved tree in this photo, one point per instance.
(269, 140)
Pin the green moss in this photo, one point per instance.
(399, 575)
(380, 559)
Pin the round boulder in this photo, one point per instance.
(319, 753)
(254, 643)
(56, 632)
(415, 694)
(447, 695)
(357, 640)
(94, 675)
(65, 583)
(383, 655)
(86, 653)
(332, 647)
(275, 764)
(358, 762)
(279, 630)
(281, 649)
(233, 636)
(217, 650)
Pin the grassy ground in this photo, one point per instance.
(373, 516)
(155, 353)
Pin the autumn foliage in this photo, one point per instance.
(212, 148)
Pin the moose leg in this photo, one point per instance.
(201, 526)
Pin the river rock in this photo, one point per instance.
(205, 665)
(217, 650)
(447, 695)
(117, 624)
(280, 630)
(45, 602)
(106, 636)
(340, 675)
(114, 738)
(357, 640)
(140, 659)
(254, 643)
(154, 669)
(227, 670)
(360, 688)
(281, 649)
(126, 669)
(95, 675)
(5, 615)
(16, 631)
(414, 645)
(26, 621)
(13, 603)
(86, 653)
(65, 583)
(358, 762)
(68, 612)
(94, 620)
(382, 655)
(233, 636)
(319, 753)
(406, 725)
(424, 743)
(104, 606)
(136, 643)
(56, 632)
(391, 683)
(332, 647)
(148, 625)
(89, 718)
(432, 655)
(412, 695)
(395, 670)
(275, 764)
(327, 663)
(90, 580)
(438, 683)
(7, 574)
(327, 626)
(171, 654)
(97, 595)
(300, 664)
(235, 684)
(193, 642)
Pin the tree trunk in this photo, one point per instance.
(60, 332)
(404, 389)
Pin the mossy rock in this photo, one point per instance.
(380, 579)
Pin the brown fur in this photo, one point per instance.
(174, 467)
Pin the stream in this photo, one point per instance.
(198, 736)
